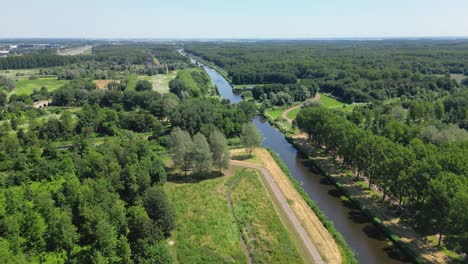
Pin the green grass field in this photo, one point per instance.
(267, 239)
(26, 86)
(205, 229)
(275, 113)
(293, 114)
(161, 81)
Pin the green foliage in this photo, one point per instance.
(205, 115)
(419, 176)
(192, 82)
(143, 85)
(220, 150)
(250, 137)
(353, 71)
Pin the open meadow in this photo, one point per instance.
(207, 231)
(27, 86)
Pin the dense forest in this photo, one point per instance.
(353, 71)
(81, 181)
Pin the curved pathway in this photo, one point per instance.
(284, 206)
(285, 113)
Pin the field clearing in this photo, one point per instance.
(267, 239)
(458, 77)
(102, 84)
(161, 81)
(26, 86)
(206, 231)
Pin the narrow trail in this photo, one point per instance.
(229, 201)
(284, 207)
(286, 112)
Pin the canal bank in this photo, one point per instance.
(366, 240)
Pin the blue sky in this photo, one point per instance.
(233, 19)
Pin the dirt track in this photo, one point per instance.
(285, 113)
(315, 238)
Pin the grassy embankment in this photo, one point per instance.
(267, 239)
(207, 232)
(347, 253)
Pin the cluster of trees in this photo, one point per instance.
(354, 71)
(203, 115)
(281, 94)
(100, 204)
(39, 60)
(428, 181)
(198, 153)
(401, 121)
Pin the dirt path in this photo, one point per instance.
(308, 229)
(285, 113)
(229, 201)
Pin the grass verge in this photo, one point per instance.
(267, 239)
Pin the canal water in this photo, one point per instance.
(369, 244)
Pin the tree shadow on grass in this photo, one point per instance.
(193, 178)
(241, 157)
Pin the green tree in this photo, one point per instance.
(159, 209)
(220, 150)
(144, 85)
(181, 148)
(201, 153)
(250, 137)
(437, 206)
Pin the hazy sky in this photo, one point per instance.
(233, 19)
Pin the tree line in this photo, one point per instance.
(428, 182)
(354, 71)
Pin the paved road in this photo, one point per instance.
(285, 113)
(284, 206)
